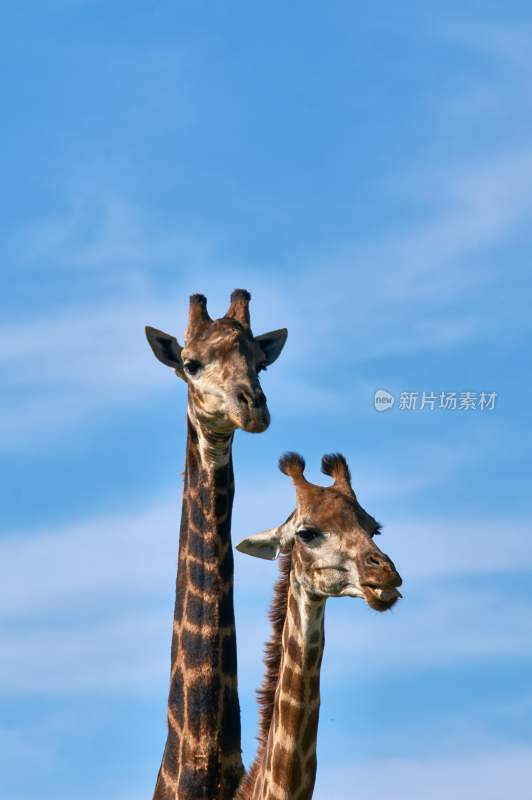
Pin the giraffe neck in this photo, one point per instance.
(202, 756)
(286, 769)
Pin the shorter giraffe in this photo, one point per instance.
(327, 550)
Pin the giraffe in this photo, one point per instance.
(327, 550)
(220, 362)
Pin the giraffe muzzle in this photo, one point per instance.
(252, 413)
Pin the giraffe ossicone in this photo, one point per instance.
(220, 361)
(326, 549)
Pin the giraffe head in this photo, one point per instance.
(330, 537)
(220, 361)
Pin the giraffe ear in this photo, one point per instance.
(266, 544)
(272, 344)
(165, 347)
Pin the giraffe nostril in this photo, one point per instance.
(243, 399)
(251, 399)
(373, 560)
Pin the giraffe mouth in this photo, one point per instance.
(255, 422)
(380, 598)
(255, 426)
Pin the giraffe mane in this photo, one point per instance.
(272, 665)
(273, 648)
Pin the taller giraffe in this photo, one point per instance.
(220, 362)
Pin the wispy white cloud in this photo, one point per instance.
(500, 41)
(420, 269)
(449, 546)
(491, 776)
(107, 554)
(114, 645)
(109, 235)
(429, 284)
(87, 601)
(60, 370)
(84, 563)
(435, 626)
(122, 653)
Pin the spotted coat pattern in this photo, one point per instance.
(285, 768)
(203, 708)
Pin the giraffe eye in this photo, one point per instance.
(308, 534)
(192, 367)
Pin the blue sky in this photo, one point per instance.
(365, 170)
